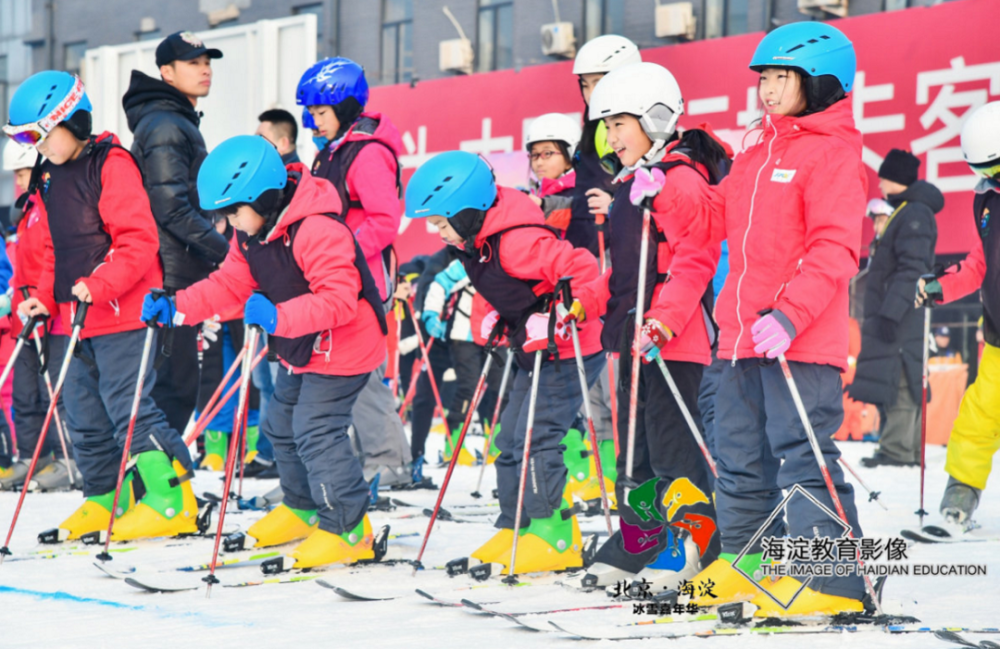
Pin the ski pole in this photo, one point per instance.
(249, 343)
(494, 422)
(613, 399)
(411, 390)
(640, 306)
(823, 468)
(698, 438)
(209, 416)
(599, 224)
(127, 447)
(78, 320)
(424, 351)
(567, 298)
(48, 386)
(923, 411)
(510, 579)
(214, 401)
(480, 388)
(872, 495)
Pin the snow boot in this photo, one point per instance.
(216, 450)
(253, 435)
(322, 547)
(494, 451)
(553, 543)
(678, 562)
(283, 524)
(465, 458)
(576, 457)
(606, 453)
(168, 508)
(809, 601)
(95, 512)
(720, 583)
(13, 476)
(959, 502)
(55, 477)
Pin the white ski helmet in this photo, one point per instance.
(18, 156)
(554, 127)
(981, 138)
(646, 90)
(605, 53)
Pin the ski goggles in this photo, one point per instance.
(33, 133)
(987, 169)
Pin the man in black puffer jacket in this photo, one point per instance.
(889, 372)
(169, 149)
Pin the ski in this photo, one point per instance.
(62, 553)
(352, 596)
(937, 534)
(157, 584)
(494, 506)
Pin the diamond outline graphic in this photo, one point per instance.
(796, 489)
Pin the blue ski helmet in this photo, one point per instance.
(238, 171)
(42, 102)
(814, 48)
(307, 119)
(449, 183)
(331, 81)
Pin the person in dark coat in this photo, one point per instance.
(169, 149)
(889, 371)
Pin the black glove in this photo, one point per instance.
(886, 329)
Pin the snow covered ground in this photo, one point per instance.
(66, 602)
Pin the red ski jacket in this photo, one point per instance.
(29, 254)
(792, 209)
(132, 265)
(352, 342)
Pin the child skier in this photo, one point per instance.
(975, 435)
(788, 208)
(360, 158)
(101, 248)
(551, 143)
(640, 104)
(323, 314)
(515, 263)
(30, 399)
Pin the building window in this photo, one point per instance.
(73, 56)
(315, 9)
(602, 17)
(153, 35)
(726, 18)
(397, 41)
(495, 38)
(893, 5)
(4, 89)
(737, 16)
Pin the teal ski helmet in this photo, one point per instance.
(239, 171)
(449, 183)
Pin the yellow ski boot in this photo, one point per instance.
(322, 547)
(592, 490)
(547, 544)
(465, 458)
(216, 449)
(283, 524)
(809, 601)
(168, 508)
(95, 512)
(494, 451)
(720, 583)
(576, 458)
(498, 547)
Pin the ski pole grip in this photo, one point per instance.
(28, 328)
(81, 314)
(564, 291)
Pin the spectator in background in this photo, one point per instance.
(890, 364)
(941, 351)
(278, 127)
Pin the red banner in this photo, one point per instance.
(921, 72)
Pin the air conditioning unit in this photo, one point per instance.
(455, 55)
(558, 40)
(676, 20)
(820, 8)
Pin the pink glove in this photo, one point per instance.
(486, 328)
(772, 334)
(654, 337)
(647, 183)
(537, 332)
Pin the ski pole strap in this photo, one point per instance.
(551, 346)
(181, 479)
(496, 334)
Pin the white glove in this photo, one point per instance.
(210, 332)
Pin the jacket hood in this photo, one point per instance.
(565, 182)
(312, 196)
(106, 135)
(375, 126)
(512, 207)
(147, 95)
(836, 121)
(920, 192)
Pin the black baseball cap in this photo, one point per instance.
(182, 46)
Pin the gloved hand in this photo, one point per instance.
(537, 332)
(432, 323)
(210, 332)
(772, 334)
(261, 311)
(654, 337)
(486, 328)
(160, 307)
(575, 313)
(887, 330)
(929, 292)
(646, 184)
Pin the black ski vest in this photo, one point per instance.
(273, 267)
(985, 206)
(514, 299)
(582, 230)
(71, 193)
(625, 225)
